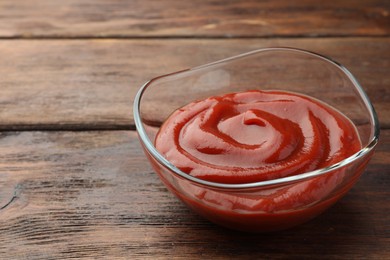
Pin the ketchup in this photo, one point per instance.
(256, 136)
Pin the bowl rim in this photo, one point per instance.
(147, 143)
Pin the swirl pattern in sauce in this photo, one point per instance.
(255, 136)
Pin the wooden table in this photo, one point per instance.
(74, 181)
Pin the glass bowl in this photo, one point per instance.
(253, 207)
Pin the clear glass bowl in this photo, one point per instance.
(236, 206)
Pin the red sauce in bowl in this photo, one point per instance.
(256, 136)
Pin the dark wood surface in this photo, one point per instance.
(90, 84)
(197, 18)
(93, 193)
(74, 182)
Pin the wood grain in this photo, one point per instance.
(91, 84)
(77, 64)
(93, 195)
(210, 18)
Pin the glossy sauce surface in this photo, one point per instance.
(255, 136)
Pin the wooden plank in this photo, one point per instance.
(93, 194)
(91, 84)
(210, 18)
